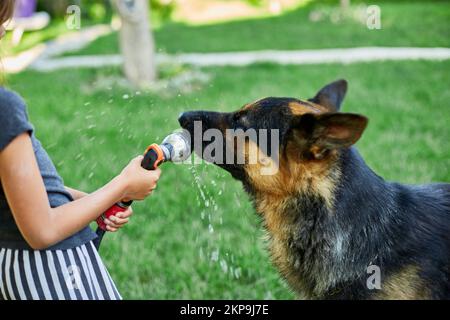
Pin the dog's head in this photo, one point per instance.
(274, 144)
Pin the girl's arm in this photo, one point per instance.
(76, 194)
(115, 222)
(43, 226)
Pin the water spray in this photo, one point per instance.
(176, 147)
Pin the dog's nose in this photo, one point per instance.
(182, 118)
(188, 118)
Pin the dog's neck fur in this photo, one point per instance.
(318, 248)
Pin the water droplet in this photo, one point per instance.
(210, 228)
(125, 96)
(268, 296)
(224, 266)
(237, 273)
(215, 255)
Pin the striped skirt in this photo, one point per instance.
(73, 274)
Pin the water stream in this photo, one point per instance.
(210, 211)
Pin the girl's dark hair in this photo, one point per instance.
(6, 13)
(6, 10)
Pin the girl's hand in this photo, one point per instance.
(139, 182)
(116, 222)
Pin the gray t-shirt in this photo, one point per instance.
(13, 122)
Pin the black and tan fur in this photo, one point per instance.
(328, 215)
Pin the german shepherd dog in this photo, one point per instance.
(332, 222)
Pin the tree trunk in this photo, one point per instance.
(136, 41)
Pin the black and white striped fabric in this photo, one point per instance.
(73, 274)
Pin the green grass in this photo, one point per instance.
(165, 252)
(422, 24)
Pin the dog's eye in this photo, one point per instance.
(239, 117)
(240, 121)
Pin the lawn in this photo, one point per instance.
(180, 245)
(420, 24)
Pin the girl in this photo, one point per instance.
(46, 249)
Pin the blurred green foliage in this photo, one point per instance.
(162, 9)
(403, 25)
(102, 10)
(95, 10)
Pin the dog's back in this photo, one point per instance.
(404, 230)
(428, 207)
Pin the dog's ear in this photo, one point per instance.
(316, 134)
(331, 95)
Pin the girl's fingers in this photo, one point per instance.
(111, 229)
(109, 223)
(126, 214)
(115, 222)
(121, 222)
(118, 221)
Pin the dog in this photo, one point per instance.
(336, 230)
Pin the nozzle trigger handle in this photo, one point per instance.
(118, 207)
(153, 157)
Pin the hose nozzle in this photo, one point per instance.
(176, 147)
